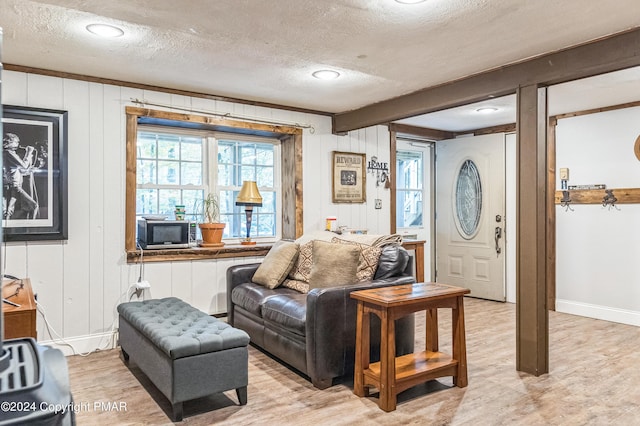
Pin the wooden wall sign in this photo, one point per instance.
(349, 178)
(636, 148)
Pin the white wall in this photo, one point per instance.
(598, 249)
(511, 219)
(79, 282)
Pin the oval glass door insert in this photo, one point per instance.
(468, 199)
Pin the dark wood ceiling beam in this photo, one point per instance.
(504, 128)
(423, 132)
(596, 110)
(604, 55)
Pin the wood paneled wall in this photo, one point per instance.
(79, 282)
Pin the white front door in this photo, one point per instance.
(470, 214)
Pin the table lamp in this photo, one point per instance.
(249, 197)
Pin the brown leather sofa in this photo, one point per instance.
(315, 332)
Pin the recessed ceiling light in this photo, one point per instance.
(410, 1)
(486, 110)
(326, 74)
(104, 30)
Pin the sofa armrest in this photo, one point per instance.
(331, 323)
(236, 275)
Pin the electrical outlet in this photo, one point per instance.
(378, 203)
(143, 285)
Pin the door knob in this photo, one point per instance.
(498, 235)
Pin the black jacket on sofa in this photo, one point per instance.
(315, 332)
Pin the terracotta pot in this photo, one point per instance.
(211, 234)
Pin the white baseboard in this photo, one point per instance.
(84, 344)
(598, 312)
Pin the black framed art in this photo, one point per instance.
(34, 174)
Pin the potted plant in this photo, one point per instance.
(211, 229)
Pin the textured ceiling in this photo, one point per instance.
(266, 50)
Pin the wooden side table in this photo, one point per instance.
(393, 375)
(19, 321)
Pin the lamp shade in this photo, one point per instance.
(249, 195)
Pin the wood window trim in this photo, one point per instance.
(291, 153)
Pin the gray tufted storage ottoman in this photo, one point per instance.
(186, 353)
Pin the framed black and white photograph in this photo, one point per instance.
(34, 174)
(349, 179)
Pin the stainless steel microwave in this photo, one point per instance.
(163, 234)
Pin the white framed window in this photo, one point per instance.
(409, 189)
(181, 166)
(241, 158)
(171, 170)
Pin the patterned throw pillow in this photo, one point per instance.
(368, 262)
(300, 286)
(302, 269)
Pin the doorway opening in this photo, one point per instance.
(414, 195)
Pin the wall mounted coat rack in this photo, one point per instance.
(599, 196)
(380, 171)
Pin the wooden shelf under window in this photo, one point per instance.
(198, 253)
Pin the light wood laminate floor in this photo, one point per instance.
(593, 380)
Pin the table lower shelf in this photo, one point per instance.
(413, 369)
